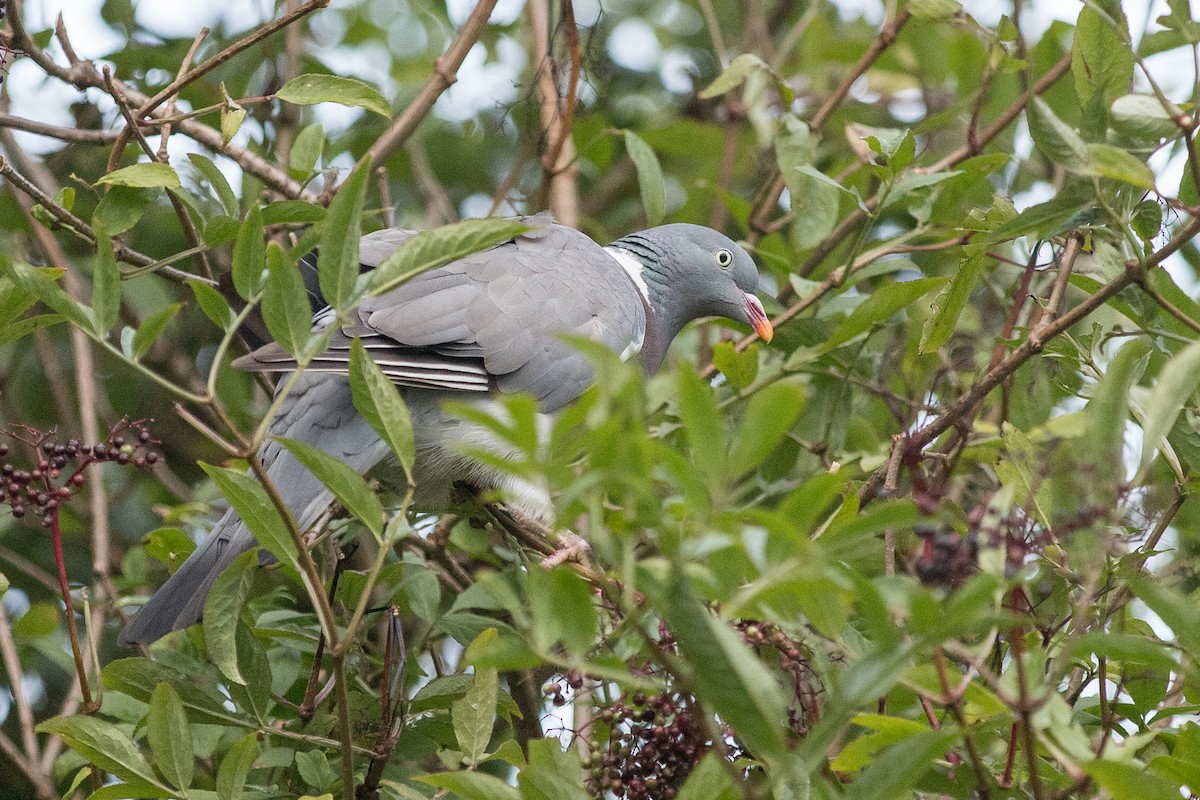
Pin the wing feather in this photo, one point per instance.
(490, 321)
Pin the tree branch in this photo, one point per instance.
(445, 73)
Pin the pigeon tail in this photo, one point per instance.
(319, 411)
(179, 603)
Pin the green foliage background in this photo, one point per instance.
(936, 539)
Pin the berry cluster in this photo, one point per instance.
(645, 745)
(653, 744)
(946, 558)
(60, 467)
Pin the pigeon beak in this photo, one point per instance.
(758, 318)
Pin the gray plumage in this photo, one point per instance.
(489, 323)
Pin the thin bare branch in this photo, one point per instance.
(445, 73)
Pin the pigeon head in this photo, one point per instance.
(689, 272)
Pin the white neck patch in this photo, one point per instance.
(633, 267)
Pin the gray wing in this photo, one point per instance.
(493, 320)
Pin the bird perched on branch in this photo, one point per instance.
(491, 323)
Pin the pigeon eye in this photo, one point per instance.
(724, 258)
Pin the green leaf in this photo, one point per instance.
(235, 766)
(471, 785)
(254, 666)
(120, 209)
(232, 116)
(214, 306)
(1113, 162)
(561, 602)
(347, 485)
(305, 90)
(1129, 782)
(314, 769)
(432, 248)
(106, 286)
(709, 781)
(337, 260)
(950, 302)
(16, 330)
(1177, 381)
(248, 254)
(934, 9)
(104, 745)
(1057, 140)
(1178, 19)
(1127, 648)
(882, 304)
(1101, 59)
(285, 306)
(1109, 407)
(216, 179)
(1142, 116)
(381, 405)
(1176, 610)
(153, 326)
(306, 150)
(701, 422)
(143, 176)
(475, 714)
(726, 674)
(223, 610)
(42, 283)
(1147, 219)
(897, 770)
(650, 177)
(740, 369)
(734, 75)
(261, 517)
(282, 211)
(139, 677)
(170, 736)
(769, 416)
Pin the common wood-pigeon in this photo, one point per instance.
(488, 324)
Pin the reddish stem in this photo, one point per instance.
(60, 561)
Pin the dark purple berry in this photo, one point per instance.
(48, 521)
(151, 458)
(18, 511)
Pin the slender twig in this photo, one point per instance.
(886, 38)
(16, 683)
(558, 191)
(437, 202)
(188, 58)
(1033, 345)
(445, 73)
(83, 75)
(43, 783)
(84, 231)
(247, 41)
(1166, 305)
(76, 135)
